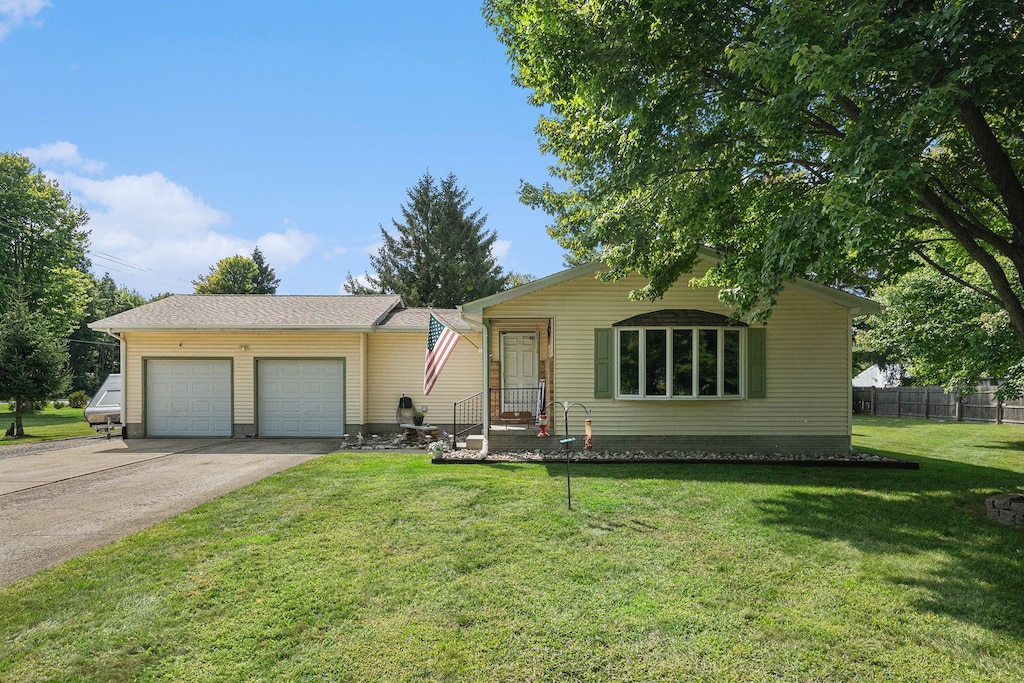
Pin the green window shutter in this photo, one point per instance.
(756, 387)
(604, 358)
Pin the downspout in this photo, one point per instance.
(121, 364)
(364, 362)
(849, 382)
(486, 391)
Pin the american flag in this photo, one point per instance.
(441, 341)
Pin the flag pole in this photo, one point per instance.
(441, 318)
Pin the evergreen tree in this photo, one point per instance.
(266, 281)
(33, 360)
(439, 255)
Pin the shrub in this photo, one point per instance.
(58, 404)
(78, 399)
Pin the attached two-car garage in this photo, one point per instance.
(193, 397)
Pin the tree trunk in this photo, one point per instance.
(19, 430)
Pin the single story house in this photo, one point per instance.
(671, 374)
(676, 373)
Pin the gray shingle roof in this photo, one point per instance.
(416, 319)
(255, 311)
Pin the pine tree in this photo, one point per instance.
(33, 361)
(266, 280)
(439, 255)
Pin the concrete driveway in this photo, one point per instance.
(61, 503)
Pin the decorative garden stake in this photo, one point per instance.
(567, 441)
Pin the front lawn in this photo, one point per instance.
(46, 424)
(358, 567)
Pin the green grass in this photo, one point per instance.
(358, 567)
(45, 425)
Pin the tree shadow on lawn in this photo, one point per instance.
(48, 419)
(972, 569)
(1005, 446)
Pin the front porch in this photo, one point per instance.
(518, 383)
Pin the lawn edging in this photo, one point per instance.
(855, 460)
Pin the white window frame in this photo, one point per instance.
(695, 351)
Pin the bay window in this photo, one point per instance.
(678, 362)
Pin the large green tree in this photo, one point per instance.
(940, 331)
(93, 354)
(238, 275)
(439, 255)
(33, 360)
(848, 142)
(42, 247)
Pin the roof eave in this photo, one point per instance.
(222, 328)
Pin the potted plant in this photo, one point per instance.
(417, 417)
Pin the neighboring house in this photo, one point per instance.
(674, 373)
(878, 378)
(264, 365)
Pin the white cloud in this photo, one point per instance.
(335, 252)
(14, 13)
(133, 209)
(286, 249)
(152, 234)
(64, 154)
(160, 227)
(373, 249)
(500, 249)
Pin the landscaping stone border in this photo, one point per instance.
(1006, 508)
(864, 460)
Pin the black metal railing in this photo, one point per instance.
(522, 404)
(509, 406)
(467, 415)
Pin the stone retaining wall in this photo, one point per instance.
(1006, 508)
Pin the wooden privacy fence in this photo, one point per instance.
(933, 403)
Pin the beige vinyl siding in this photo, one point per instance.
(395, 367)
(807, 354)
(186, 344)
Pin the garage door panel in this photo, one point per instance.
(301, 398)
(188, 398)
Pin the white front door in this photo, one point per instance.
(519, 370)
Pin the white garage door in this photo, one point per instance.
(301, 398)
(188, 398)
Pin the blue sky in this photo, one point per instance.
(191, 131)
